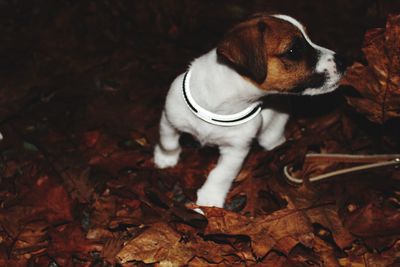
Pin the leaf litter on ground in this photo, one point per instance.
(78, 186)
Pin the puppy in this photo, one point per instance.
(218, 99)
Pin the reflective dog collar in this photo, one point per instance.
(217, 119)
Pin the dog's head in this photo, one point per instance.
(275, 53)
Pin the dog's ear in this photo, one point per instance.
(244, 48)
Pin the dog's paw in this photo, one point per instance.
(210, 198)
(165, 159)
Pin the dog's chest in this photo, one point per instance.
(184, 120)
(208, 134)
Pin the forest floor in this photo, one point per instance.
(82, 87)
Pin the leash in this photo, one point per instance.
(371, 162)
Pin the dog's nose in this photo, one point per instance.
(341, 63)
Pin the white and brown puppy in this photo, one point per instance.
(217, 99)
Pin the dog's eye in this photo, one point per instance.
(295, 51)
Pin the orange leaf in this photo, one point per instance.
(159, 243)
(379, 82)
(266, 232)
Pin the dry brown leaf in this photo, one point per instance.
(214, 253)
(32, 239)
(22, 262)
(159, 243)
(118, 160)
(200, 262)
(111, 249)
(273, 259)
(387, 258)
(76, 181)
(374, 219)
(250, 193)
(45, 203)
(281, 230)
(104, 208)
(69, 239)
(309, 200)
(379, 82)
(91, 138)
(326, 253)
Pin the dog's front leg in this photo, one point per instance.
(166, 153)
(272, 133)
(218, 183)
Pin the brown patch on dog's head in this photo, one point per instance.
(244, 48)
(272, 53)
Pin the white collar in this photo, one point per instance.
(213, 118)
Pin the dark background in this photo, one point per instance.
(139, 46)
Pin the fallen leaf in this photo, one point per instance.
(282, 229)
(76, 180)
(111, 248)
(374, 219)
(32, 239)
(310, 201)
(91, 138)
(159, 243)
(379, 82)
(274, 259)
(118, 160)
(68, 240)
(50, 200)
